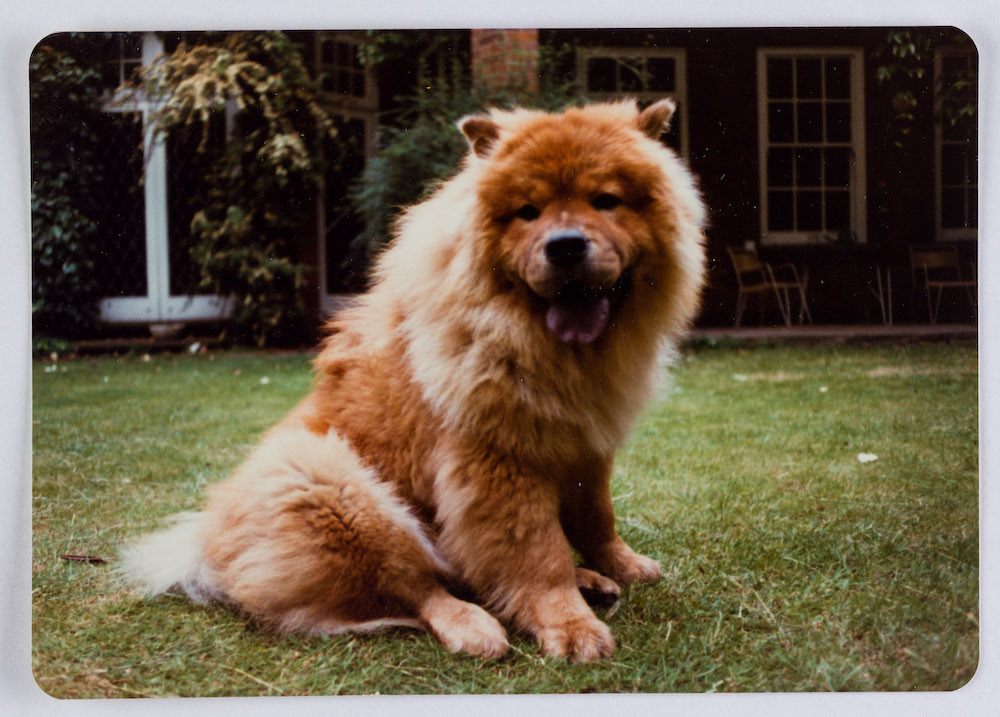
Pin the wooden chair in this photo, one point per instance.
(758, 278)
(935, 267)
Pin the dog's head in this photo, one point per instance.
(577, 208)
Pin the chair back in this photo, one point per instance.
(744, 260)
(936, 260)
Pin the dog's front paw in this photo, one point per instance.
(639, 568)
(581, 639)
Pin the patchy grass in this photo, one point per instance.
(789, 565)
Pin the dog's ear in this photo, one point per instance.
(481, 131)
(655, 119)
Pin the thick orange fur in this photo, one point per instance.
(451, 437)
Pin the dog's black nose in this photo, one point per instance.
(566, 248)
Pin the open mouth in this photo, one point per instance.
(580, 313)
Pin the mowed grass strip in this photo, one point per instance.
(789, 565)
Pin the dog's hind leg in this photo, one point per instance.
(305, 538)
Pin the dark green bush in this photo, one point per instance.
(64, 172)
(423, 149)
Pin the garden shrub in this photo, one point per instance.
(258, 185)
(65, 171)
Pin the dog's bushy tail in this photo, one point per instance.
(172, 560)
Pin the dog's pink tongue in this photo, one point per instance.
(580, 323)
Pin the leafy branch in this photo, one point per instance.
(904, 66)
(251, 200)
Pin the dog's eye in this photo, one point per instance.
(529, 212)
(605, 201)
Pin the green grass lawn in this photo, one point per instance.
(788, 564)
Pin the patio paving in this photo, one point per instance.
(817, 333)
(840, 332)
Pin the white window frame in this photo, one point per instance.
(679, 95)
(158, 305)
(349, 107)
(949, 234)
(857, 187)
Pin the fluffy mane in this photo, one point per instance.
(471, 349)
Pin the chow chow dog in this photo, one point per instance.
(460, 436)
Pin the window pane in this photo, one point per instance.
(808, 167)
(120, 208)
(953, 157)
(343, 54)
(838, 78)
(661, 74)
(358, 84)
(326, 52)
(807, 80)
(809, 211)
(779, 122)
(630, 71)
(779, 78)
(837, 166)
(111, 74)
(601, 74)
(779, 167)
(186, 169)
(953, 208)
(838, 211)
(838, 122)
(779, 211)
(810, 122)
(973, 212)
(343, 81)
(132, 46)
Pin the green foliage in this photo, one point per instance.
(258, 182)
(64, 173)
(422, 150)
(45, 346)
(382, 47)
(423, 145)
(904, 67)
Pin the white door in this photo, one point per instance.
(142, 286)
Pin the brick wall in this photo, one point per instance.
(505, 60)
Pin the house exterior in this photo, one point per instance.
(794, 139)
